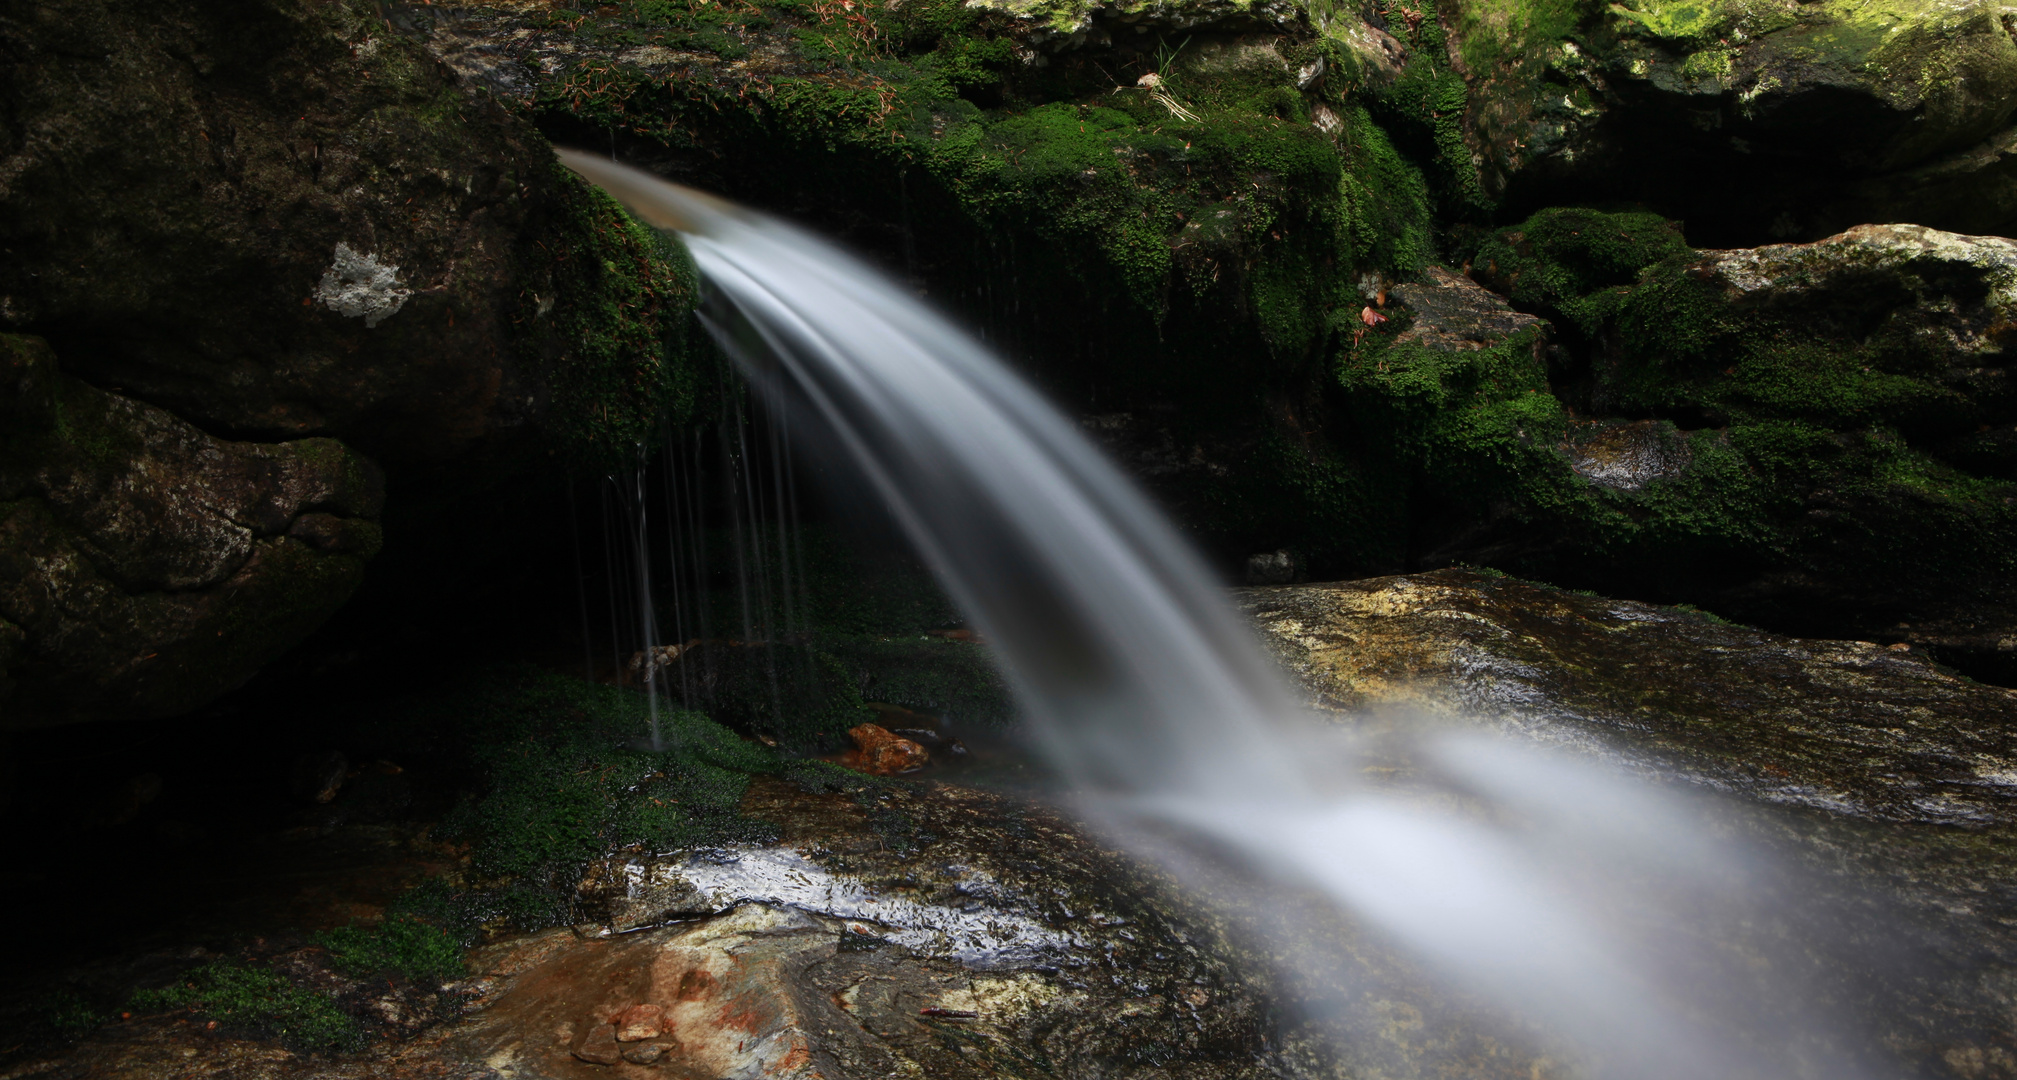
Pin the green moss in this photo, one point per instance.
(255, 1000)
(1428, 105)
(605, 320)
(403, 945)
(801, 696)
(1550, 262)
(1388, 219)
(56, 1016)
(954, 680)
(565, 779)
(1679, 345)
(1202, 249)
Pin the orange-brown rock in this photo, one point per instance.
(640, 1022)
(879, 752)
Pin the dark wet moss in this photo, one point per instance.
(403, 945)
(563, 773)
(254, 1000)
(605, 315)
(1552, 261)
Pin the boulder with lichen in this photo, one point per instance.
(145, 564)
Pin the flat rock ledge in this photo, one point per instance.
(1889, 780)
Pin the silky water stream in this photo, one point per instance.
(1595, 912)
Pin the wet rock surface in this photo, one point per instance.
(943, 932)
(1628, 456)
(1880, 771)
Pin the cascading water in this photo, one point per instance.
(1153, 699)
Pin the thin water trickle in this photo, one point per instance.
(1584, 905)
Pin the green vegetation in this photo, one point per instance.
(1789, 438)
(58, 1016)
(1427, 107)
(564, 778)
(256, 1001)
(403, 944)
(606, 319)
(1557, 261)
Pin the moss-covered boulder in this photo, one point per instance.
(1811, 437)
(284, 222)
(1163, 210)
(1756, 119)
(300, 224)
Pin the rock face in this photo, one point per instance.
(303, 224)
(1887, 774)
(1452, 314)
(1811, 437)
(145, 564)
(284, 224)
(1778, 119)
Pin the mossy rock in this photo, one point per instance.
(1801, 436)
(1190, 245)
(313, 238)
(1559, 256)
(309, 226)
(1754, 121)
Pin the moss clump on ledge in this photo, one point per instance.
(1557, 258)
(254, 1000)
(403, 945)
(565, 776)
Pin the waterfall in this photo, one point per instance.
(1149, 694)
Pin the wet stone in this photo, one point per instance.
(640, 1022)
(647, 1054)
(1890, 781)
(998, 934)
(598, 1046)
(1455, 314)
(1629, 456)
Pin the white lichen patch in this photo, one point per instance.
(357, 285)
(1008, 999)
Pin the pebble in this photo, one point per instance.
(643, 1054)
